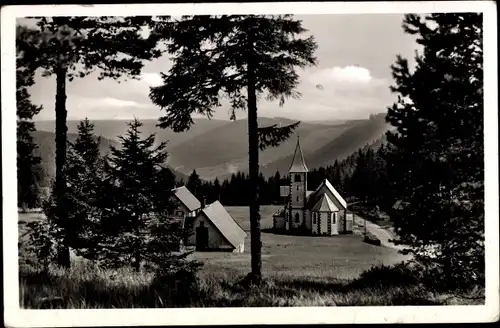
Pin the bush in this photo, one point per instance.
(371, 239)
(402, 274)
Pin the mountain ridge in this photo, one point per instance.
(46, 150)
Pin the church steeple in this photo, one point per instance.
(298, 163)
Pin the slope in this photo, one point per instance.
(46, 150)
(111, 129)
(352, 138)
(223, 151)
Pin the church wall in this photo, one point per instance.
(314, 225)
(341, 221)
(308, 219)
(334, 224)
(294, 223)
(325, 220)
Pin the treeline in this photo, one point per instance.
(360, 175)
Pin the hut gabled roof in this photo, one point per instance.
(187, 198)
(223, 221)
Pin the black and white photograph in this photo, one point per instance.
(250, 163)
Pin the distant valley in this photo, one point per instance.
(218, 148)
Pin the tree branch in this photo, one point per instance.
(272, 136)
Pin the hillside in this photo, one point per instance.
(46, 150)
(224, 150)
(111, 129)
(217, 148)
(355, 136)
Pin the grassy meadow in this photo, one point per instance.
(339, 257)
(299, 271)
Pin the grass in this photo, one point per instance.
(339, 257)
(299, 271)
(87, 287)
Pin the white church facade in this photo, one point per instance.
(316, 212)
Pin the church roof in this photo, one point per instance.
(298, 163)
(325, 204)
(335, 193)
(340, 201)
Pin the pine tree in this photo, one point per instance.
(28, 169)
(243, 58)
(435, 161)
(194, 184)
(84, 173)
(140, 201)
(217, 189)
(73, 47)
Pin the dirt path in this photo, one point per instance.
(383, 234)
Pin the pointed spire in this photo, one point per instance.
(298, 163)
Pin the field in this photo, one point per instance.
(339, 257)
(298, 271)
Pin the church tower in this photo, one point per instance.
(298, 187)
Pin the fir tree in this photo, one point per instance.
(73, 47)
(140, 198)
(84, 172)
(194, 184)
(28, 163)
(217, 189)
(435, 161)
(242, 58)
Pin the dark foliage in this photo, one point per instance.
(29, 173)
(73, 47)
(436, 155)
(136, 225)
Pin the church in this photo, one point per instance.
(316, 212)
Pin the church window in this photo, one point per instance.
(297, 198)
(297, 217)
(297, 177)
(333, 218)
(314, 218)
(297, 187)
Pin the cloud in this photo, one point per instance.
(152, 79)
(337, 92)
(107, 102)
(347, 74)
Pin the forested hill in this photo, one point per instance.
(355, 136)
(218, 148)
(359, 175)
(46, 150)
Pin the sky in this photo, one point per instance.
(354, 57)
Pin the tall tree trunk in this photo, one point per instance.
(60, 183)
(137, 252)
(253, 164)
(137, 259)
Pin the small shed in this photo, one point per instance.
(215, 230)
